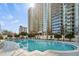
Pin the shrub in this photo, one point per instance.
(58, 36)
(31, 35)
(16, 35)
(70, 36)
(23, 33)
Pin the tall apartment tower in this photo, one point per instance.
(65, 18)
(57, 18)
(40, 18)
(76, 18)
(69, 18)
(35, 18)
(30, 21)
(47, 18)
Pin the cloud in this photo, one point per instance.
(21, 24)
(9, 17)
(15, 21)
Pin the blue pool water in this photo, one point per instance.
(43, 45)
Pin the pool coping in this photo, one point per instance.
(70, 51)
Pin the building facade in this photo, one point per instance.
(69, 18)
(31, 20)
(22, 29)
(39, 20)
(45, 18)
(76, 18)
(54, 18)
(35, 18)
(57, 18)
(65, 18)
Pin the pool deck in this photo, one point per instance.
(21, 52)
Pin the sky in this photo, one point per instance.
(12, 15)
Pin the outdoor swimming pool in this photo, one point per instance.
(43, 45)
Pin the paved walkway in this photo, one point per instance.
(21, 52)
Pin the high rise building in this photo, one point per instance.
(57, 18)
(65, 18)
(35, 18)
(69, 18)
(49, 19)
(31, 20)
(45, 18)
(76, 18)
(39, 18)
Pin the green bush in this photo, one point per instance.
(23, 33)
(58, 36)
(31, 35)
(16, 35)
(70, 36)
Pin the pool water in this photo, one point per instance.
(43, 45)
